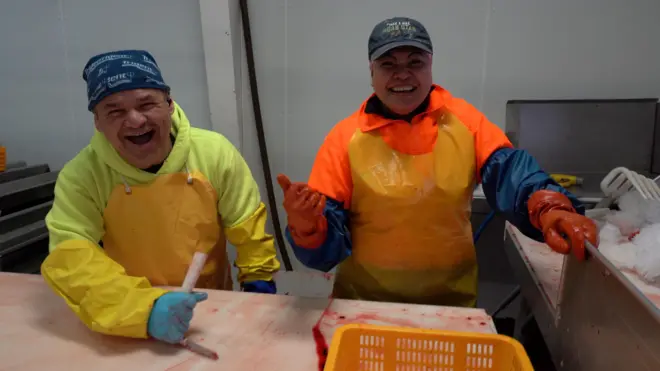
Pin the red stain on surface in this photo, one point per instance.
(366, 318)
(265, 329)
(321, 346)
(319, 339)
(249, 307)
(213, 310)
(450, 317)
(328, 276)
(633, 235)
(181, 366)
(654, 298)
(482, 323)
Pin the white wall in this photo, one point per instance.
(45, 45)
(246, 119)
(571, 49)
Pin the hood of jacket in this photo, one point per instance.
(174, 162)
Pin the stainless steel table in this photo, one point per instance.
(592, 315)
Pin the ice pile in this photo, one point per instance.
(630, 238)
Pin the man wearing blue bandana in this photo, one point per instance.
(148, 192)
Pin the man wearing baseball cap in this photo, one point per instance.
(388, 199)
(148, 192)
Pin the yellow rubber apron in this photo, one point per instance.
(410, 220)
(153, 230)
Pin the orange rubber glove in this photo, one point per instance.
(304, 207)
(563, 229)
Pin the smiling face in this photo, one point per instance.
(402, 79)
(137, 123)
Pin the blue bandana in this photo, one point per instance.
(121, 70)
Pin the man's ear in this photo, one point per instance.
(96, 121)
(170, 102)
(371, 69)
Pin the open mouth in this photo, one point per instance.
(141, 139)
(402, 89)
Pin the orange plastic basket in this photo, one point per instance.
(383, 348)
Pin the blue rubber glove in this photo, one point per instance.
(170, 317)
(264, 287)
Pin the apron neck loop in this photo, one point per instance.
(190, 178)
(127, 188)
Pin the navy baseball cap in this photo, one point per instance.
(397, 32)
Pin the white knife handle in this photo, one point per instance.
(194, 271)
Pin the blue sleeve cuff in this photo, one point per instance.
(337, 245)
(263, 287)
(509, 177)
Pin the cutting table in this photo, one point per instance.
(592, 315)
(249, 331)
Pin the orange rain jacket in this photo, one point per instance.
(399, 193)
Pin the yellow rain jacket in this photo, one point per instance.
(116, 230)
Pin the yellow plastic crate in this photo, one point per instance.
(383, 348)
